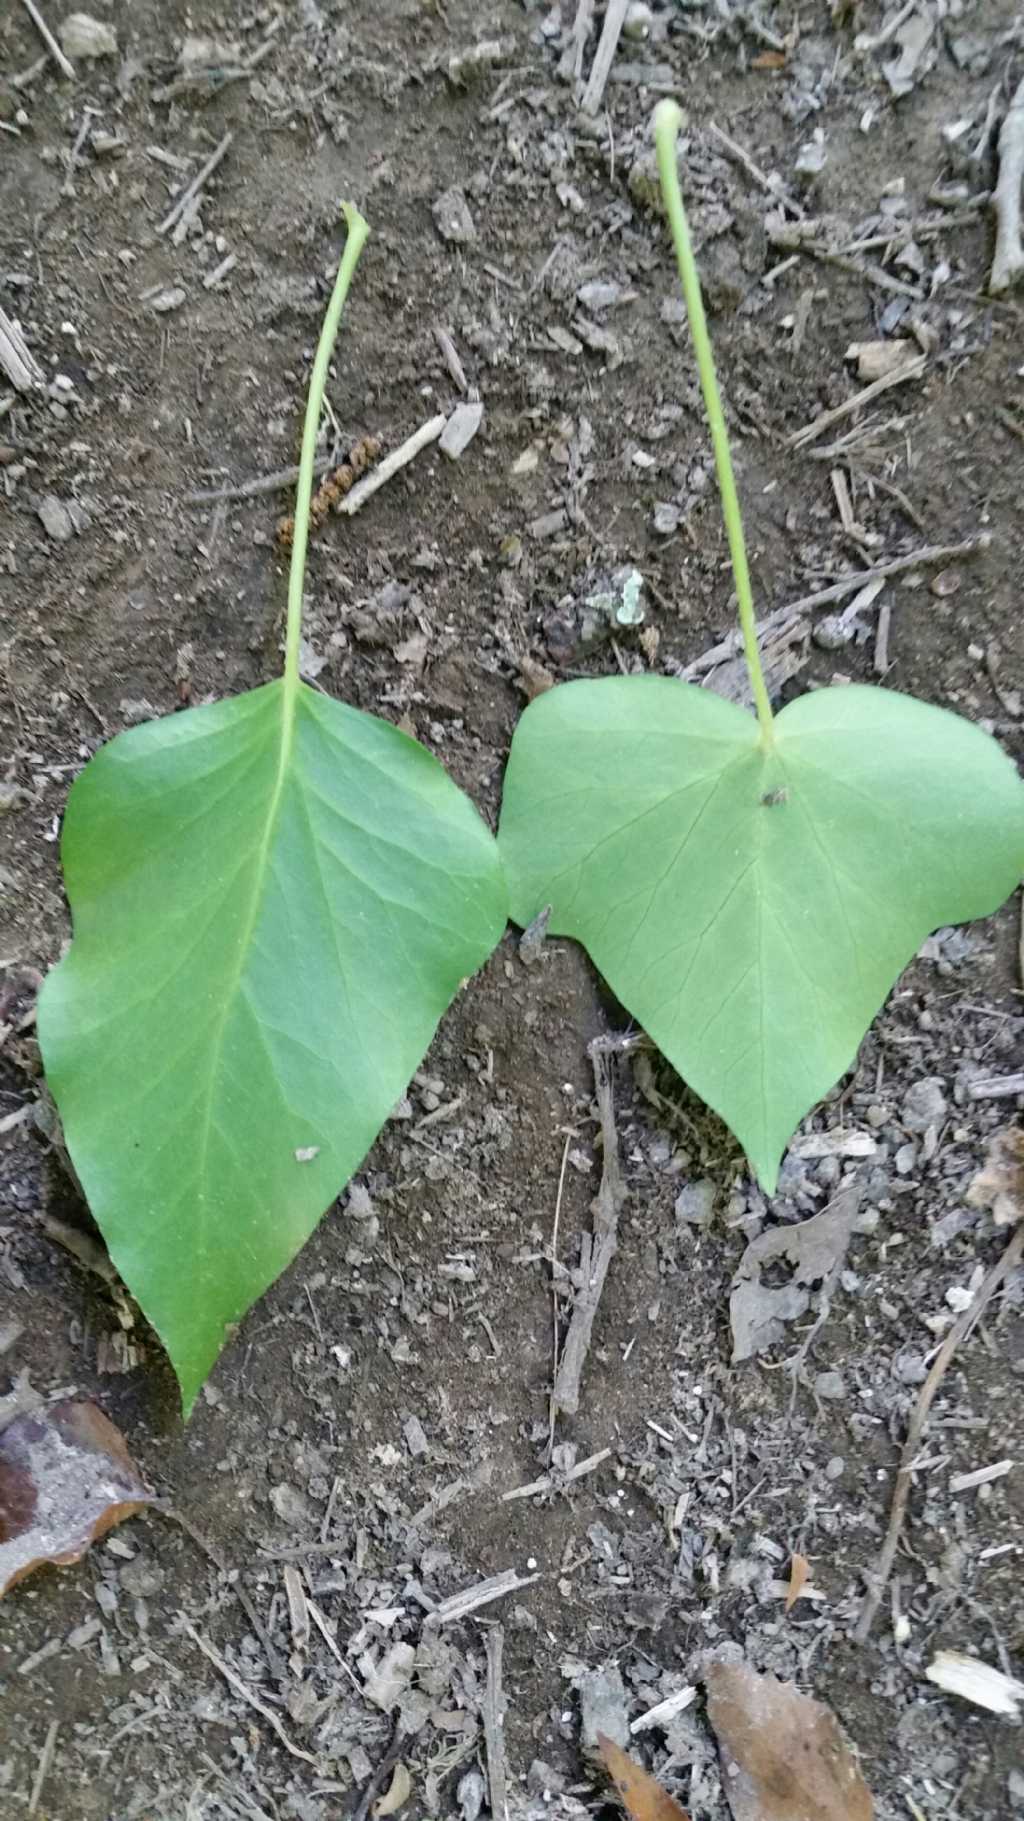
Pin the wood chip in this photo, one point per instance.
(16, 357)
(977, 1682)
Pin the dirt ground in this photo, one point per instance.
(390, 1391)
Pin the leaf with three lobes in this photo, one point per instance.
(751, 907)
(274, 900)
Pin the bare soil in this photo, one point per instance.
(393, 1387)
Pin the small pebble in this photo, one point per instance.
(452, 216)
(460, 429)
(835, 1468)
(832, 633)
(83, 36)
(415, 1437)
(56, 519)
(924, 1104)
(638, 21)
(604, 1706)
(695, 1205)
(830, 1386)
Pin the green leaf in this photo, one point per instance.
(751, 905)
(274, 898)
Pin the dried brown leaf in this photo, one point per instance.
(815, 1248)
(799, 1572)
(66, 1478)
(783, 1754)
(396, 1795)
(642, 1797)
(1000, 1185)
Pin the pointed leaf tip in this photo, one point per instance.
(267, 930)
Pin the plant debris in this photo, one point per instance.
(642, 1797)
(1000, 1184)
(816, 1249)
(66, 1478)
(783, 1754)
(333, 487)
(977, 1682)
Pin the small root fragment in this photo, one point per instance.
(333, 487)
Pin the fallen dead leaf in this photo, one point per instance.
(1000, 1184)
(534, 678)
(815, 1248)
(66, 1478)
(799, 1572)
(396, 1795)
(642, 1797)
(783, 1755)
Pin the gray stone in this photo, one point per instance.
(56, 519)
(832, 633)
(460, 429)
(830, 1386)
(415, 1437)
(170, 298)
(454, 221)
(604, 1708)
(695, 1205)
(924, 1104)
(908, 1367)
(83, 36)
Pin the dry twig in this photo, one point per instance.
(240, 1688)
(191, 191)
(960, 1330)
(494, 1727)
(67, 68)
(604, 56)
(598, 1248)
(460, 1605)
(399, 458)
(1008, 258)
(382, 1773)
(913, 369)
(262, 483)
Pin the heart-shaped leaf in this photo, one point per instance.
(752, 900)
(274, 900)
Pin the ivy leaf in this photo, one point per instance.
(752, 903)
(274, 900)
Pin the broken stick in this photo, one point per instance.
(63, 64)
(192, 190)
(1008, 259)
(399, 458)
(604, 56)
(494, 1727)
(960, 1330)
(598, 1249)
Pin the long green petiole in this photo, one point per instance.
(667, 121)
(357, 232)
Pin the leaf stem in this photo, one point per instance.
(667, 120)
(357, 232)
